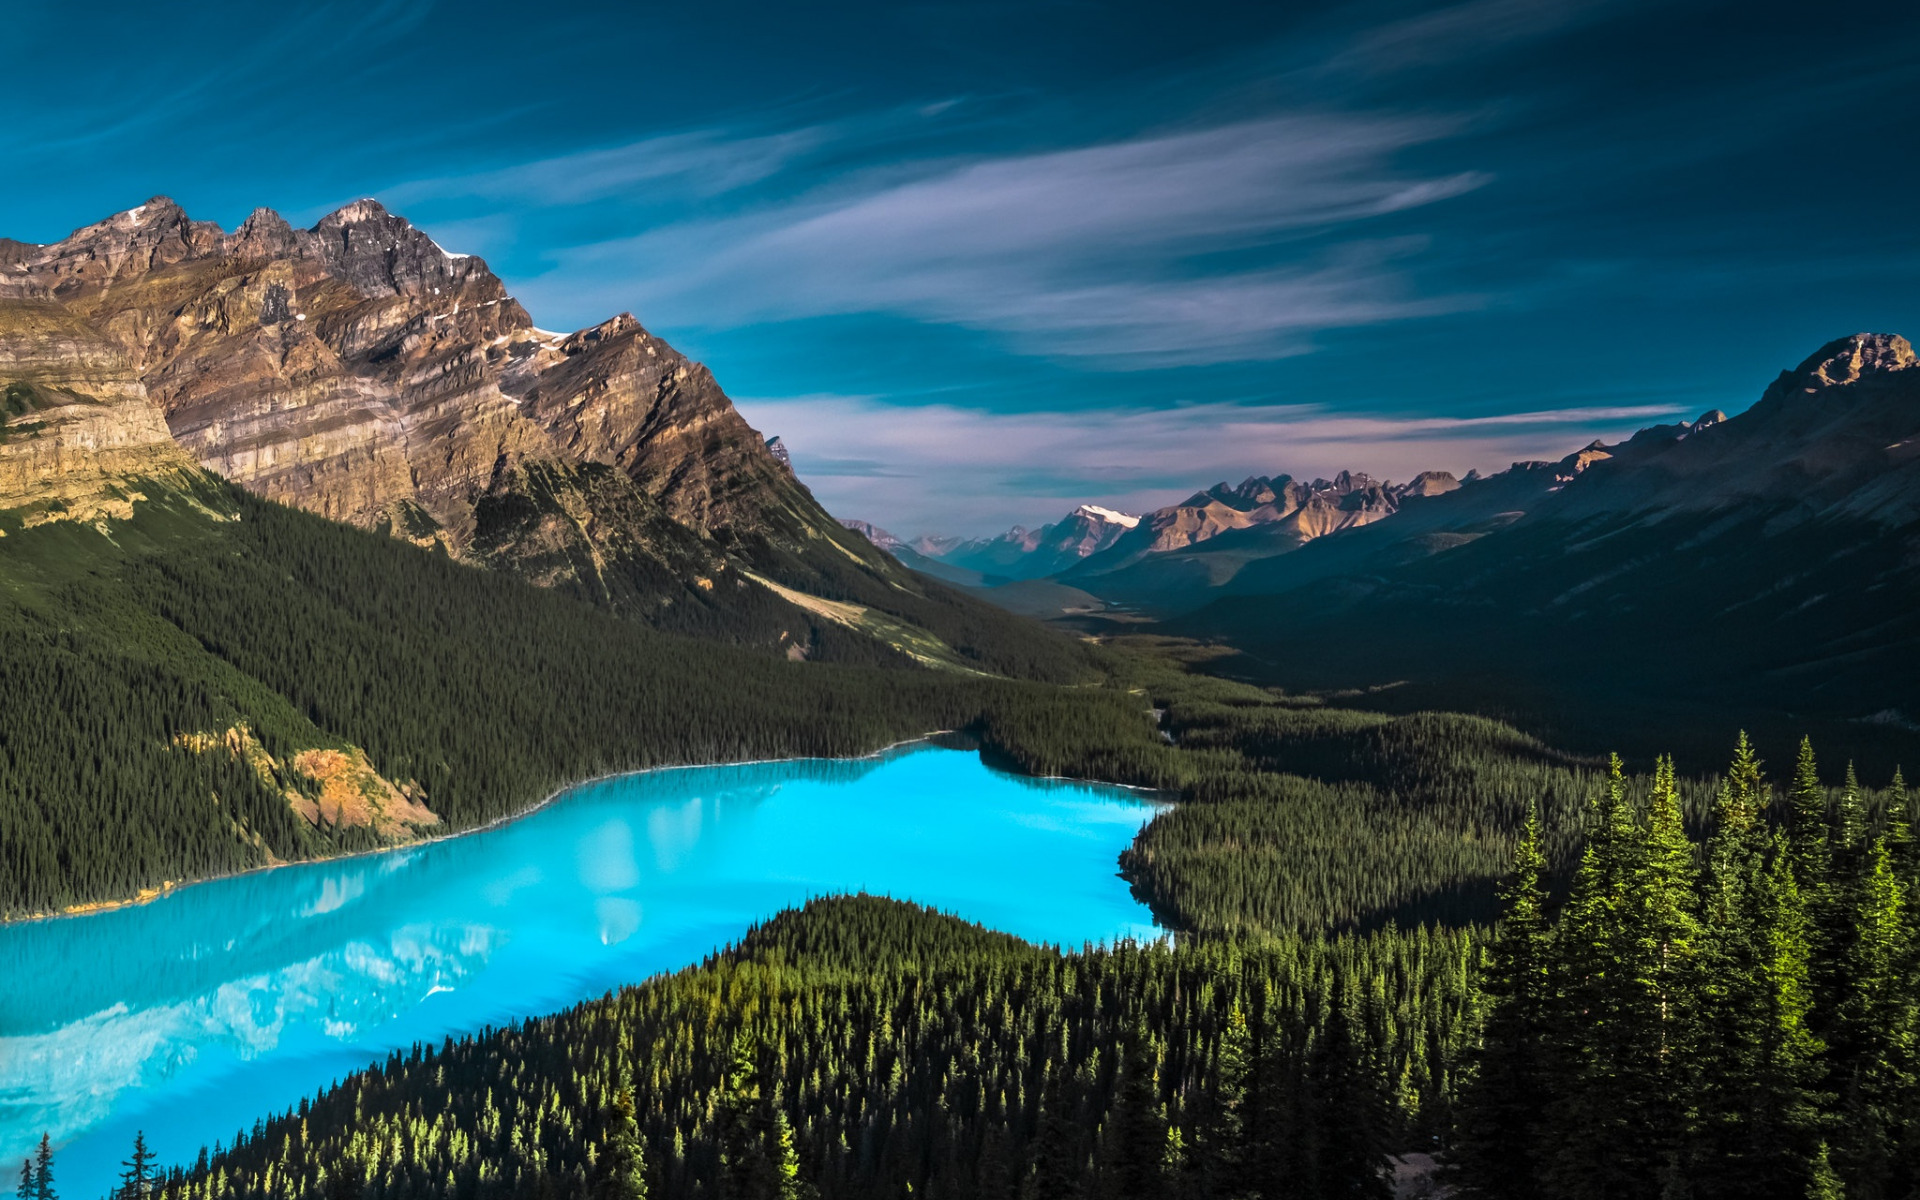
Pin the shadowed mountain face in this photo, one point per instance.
(358, 370)
(1765, 563)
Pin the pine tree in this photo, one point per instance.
(1498, 1128)
(43, 1170)
(1757, 1059)
(1348, 1123)
(1054, 1169)
(1138, 1125)
(137, 1180)
(1173, 1159)
(1664, 934)
(1825, 1183)
(746, 1172)
(1899, 830)
(1631, 932)
(786, 1162)
(1807, 826)
(1874, 1031)
(1666, 916)
(622, 1161)
(1223, 1140)
(25, 1191)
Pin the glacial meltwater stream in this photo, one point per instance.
(194, 1015)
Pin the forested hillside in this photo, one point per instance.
(221, 683)
(865, 1048)
(179, 678)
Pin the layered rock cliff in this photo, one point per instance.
(360, 371)
(79, 437)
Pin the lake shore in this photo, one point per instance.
(170, 886)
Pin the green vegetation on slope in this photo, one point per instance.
(165, 673)
(905, 1053)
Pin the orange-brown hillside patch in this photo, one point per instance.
(353, 793)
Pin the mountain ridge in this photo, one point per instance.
(358, 370)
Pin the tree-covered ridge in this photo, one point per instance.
(141, 660)
(1731, 1017)
(898, 1051)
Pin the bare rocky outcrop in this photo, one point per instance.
(80, 437)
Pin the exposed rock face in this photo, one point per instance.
(79, 435)
(1274, 513)
(358, 370)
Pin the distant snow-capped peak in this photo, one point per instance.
(1126, 520)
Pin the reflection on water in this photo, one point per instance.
(192, 1016)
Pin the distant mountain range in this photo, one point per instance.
(1022, 553)
(1201, 540)
(1763, 563)
(1766, 561)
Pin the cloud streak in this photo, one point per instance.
(697, 164)
(945, 468)
(1098, 253)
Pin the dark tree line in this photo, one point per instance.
(1733, 1016)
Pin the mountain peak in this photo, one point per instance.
(359, 212)
(1109, 515)
(383, 254)
(155, 210)
(1848, 359)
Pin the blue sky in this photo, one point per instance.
(978, 263)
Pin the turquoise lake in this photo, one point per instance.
(195, 1015)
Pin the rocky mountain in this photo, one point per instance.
(1022, 553)
(1200, 543)
(873, 533)
(1764, 562)
(358, 370)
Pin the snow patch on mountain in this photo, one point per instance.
(1126, 520)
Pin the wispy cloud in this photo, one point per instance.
(958, 470)
(698, 163)
(1461, 31)
(1098, 252)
